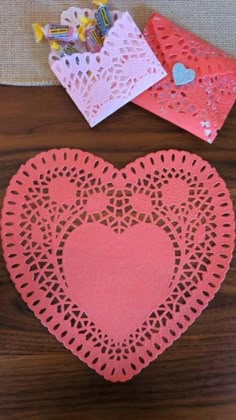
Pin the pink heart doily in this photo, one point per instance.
(117, 264)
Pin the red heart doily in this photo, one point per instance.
(117, 264)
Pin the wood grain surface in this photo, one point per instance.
(39, 379)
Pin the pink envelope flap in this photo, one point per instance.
(174, 43)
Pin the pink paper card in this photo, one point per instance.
(117, 264)
(101, 83)
(200, 88)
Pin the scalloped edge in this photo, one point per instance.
(127, 168)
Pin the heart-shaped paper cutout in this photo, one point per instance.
(114, 260)
(182, 75)
(117, 264)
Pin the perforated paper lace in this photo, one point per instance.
(117, 264)
(202, 106)
(100, 83)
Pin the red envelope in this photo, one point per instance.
(199, 106)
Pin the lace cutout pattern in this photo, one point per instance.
(202, 106)
(117, 264)
(100, 83)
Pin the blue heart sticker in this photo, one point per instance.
(182, 75)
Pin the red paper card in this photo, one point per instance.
(117, 264)
(200, 106)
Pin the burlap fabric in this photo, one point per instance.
(22, 62)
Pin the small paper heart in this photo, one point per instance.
(182, 75)
(208, 132)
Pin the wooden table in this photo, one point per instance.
(196, 377)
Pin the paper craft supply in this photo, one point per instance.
(200, 88)
(101, 83)
(182, 75)
(117, 264)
